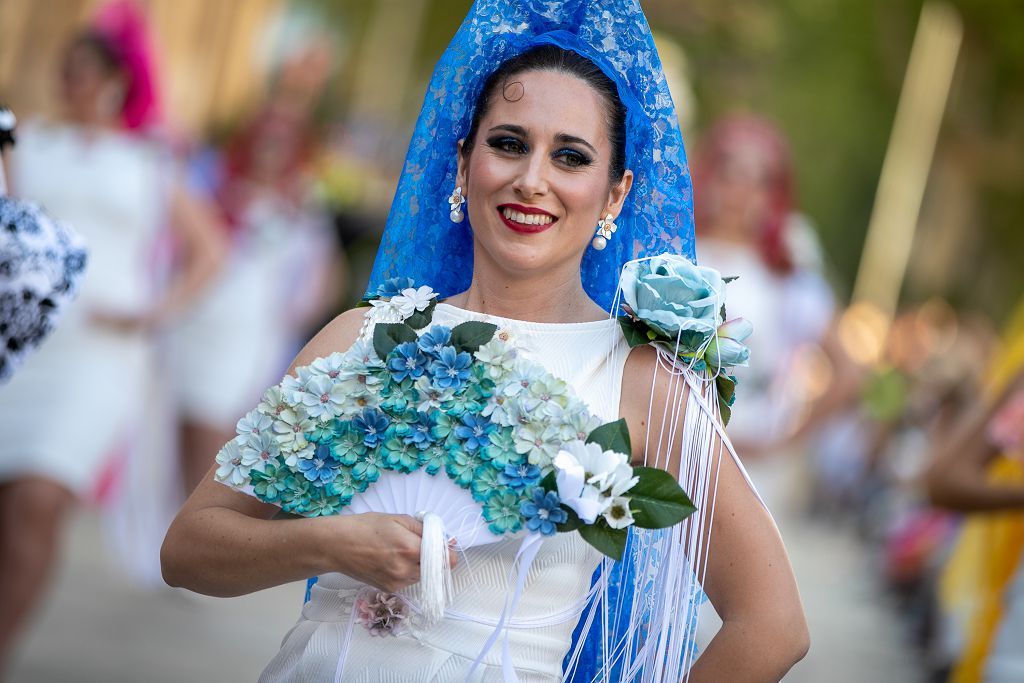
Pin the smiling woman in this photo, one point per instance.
(554, 120)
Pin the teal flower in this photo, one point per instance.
(672, 296)
(395, 397)
(462, 465)
(269, 484)
(485, 483)
(502, 511)
(347, 446)
(433, 458)
(400, 456)
(443, 427)
(368, 467)
(346, 485)
(295, 497)
(323, 504)
(502, 451)
(538, 442)
(323, 431)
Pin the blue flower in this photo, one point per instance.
(394, 286)
(321, 468)
(520, 475)
(421, 433)
(674, 296)
(372, 424)
(450, 369)
(475, 431)
(433, 340)
(543, 512)
(407, 361)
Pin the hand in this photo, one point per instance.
(379, 549)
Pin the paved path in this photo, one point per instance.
(95, 628)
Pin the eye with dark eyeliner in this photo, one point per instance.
(573, 158)
(507, 143)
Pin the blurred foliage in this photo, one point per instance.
(830, 73)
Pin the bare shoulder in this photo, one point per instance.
(647, 390)
(337, 335)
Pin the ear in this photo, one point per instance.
(460, 174)
(617, 195)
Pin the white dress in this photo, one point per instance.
(77, 399)
(590, 357)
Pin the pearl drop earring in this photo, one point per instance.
(455, 201)
(605, 229)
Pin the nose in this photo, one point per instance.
(532, 178)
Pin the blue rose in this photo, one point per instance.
(672, 295)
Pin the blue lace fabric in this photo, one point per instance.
(422, 243)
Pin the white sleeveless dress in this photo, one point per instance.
(80, 395)
(590, 357)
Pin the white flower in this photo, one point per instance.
(498, 357)
(322, 398)
(522, 377)
(574, 470)
(621, 480)
(618, 515)
(430, 396)
(258, 450)
(384, 312)
(232, 470)
(290, 429)
(412, 300)
(331, 366)
(273, 402)
(254, 422)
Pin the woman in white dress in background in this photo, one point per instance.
(80, 397)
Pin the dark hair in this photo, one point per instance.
(554, 58)
(100, 46)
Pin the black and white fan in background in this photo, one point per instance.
(42, 262)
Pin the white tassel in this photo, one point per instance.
(435, 571)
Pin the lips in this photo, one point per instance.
(525, 219)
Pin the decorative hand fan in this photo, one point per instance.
(449, 425)
(41, 264)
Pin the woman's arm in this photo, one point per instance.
(749, 579)
(224, 543)
(957, 477)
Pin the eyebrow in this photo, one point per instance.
(561, 138)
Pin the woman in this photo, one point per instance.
(551, 144)
(79, 398)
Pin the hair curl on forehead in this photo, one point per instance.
(554, 58)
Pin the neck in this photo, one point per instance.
(536, 298)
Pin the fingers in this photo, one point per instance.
(411, 523)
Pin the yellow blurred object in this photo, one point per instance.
(990, 548)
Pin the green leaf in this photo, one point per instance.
(613, 436)
(548, 483)
(421, 319)
(611, 542)
(729, 278)
(725, 410)
(386, 336)
(635, 332)
(470, 336)
(572, 523)
(725, 386)
(657, 501)
(363, 303)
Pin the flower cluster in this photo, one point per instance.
(457, 402)
(679, 306)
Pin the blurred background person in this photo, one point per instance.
(80, 398)
(283, 274)
(979, 470)
(747, 226)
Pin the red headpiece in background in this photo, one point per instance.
(745, 131)
(123, 25)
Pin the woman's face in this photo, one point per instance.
(536, 179)
(89, 89)
(737, 195)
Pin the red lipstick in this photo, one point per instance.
(525, 228)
